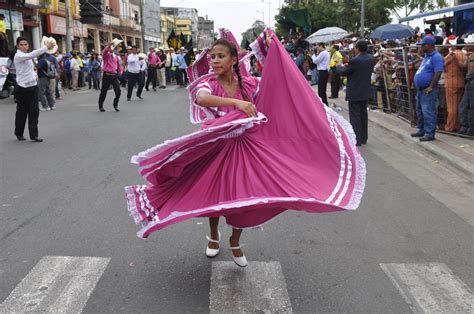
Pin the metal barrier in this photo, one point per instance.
(393, 90)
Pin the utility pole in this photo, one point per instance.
(362, 18)
(12, 44)
(142, 24)
(67, 8)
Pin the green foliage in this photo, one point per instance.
(250, 34)
(346, 13)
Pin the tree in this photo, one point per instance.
(411, 5)
(251, 34)
(346, 13)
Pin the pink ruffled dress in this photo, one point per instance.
(296, 154)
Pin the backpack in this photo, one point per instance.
(67, 66)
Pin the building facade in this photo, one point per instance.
(185, 14)
(152, 23)
(25, 21)
(206, 32)
(167, 23)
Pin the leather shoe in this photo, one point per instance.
(20, 138)
(101, 109)
(37, 139)
(426, 139)
(140, 97)
(417, 134)
(116, 109)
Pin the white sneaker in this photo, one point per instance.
(43, 109)
(53, 108)
(240, 261)
(48, 109)
(212, 252)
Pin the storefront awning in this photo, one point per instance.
(455, 8)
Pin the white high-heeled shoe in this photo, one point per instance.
(240, 261)
(213, 252)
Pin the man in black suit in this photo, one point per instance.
(358, 72)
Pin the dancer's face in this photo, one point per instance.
(23, 46)
(222, 60)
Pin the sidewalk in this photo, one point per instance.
(456, 152)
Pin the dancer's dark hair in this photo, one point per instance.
(233, 53)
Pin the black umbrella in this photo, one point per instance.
(392, 31)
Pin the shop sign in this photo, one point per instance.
(57, 25)
(17, 19)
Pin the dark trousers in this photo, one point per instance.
(108, 80)
(151, 78)
(359, 120)
(335, 84)
(169, 74)
(26, 107)
(133, 79)
(141, 83)
(181, 77)
(322, 85)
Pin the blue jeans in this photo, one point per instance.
(426, 112)
(314, 76)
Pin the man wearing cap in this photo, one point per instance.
(153, 61)
(111, 71)
(426, 81)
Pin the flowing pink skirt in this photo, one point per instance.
(297, 154)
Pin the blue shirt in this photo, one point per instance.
(181, 62)
(431, 64)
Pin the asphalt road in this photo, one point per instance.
(64, 197)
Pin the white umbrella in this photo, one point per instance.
(327, 34)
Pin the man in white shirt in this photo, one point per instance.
(133, 66)
(75, 69)
(322, 61)
(26, 90)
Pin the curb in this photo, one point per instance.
(455, 163)
(461, 166)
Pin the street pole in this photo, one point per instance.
(68, 26)
(142, 24)
(362, 19)
(12, 44)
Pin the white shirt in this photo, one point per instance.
(143, 66)
(133, 63)
(25, 69)
(322, 60)
(74, 65)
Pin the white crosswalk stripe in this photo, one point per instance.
(260, 287)
(57, 284)
(430, 288)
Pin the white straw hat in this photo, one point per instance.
(46, 40)
(115, 43)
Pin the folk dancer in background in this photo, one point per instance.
(153, 61)
(26, 90)
(111, 72)
(133, 68)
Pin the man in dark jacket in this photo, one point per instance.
(358, 72)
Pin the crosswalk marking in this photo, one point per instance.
(57, 284)
(430, 288)
(260, 287)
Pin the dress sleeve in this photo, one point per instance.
(200, 114)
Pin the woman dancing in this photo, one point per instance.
(264, 146)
